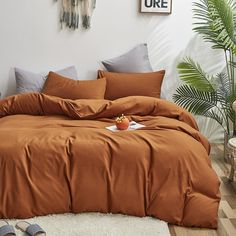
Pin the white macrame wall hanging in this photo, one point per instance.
(72, 11)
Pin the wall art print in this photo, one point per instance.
(156, 6)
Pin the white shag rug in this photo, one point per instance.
(97, 224)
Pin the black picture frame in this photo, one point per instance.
(156, 6)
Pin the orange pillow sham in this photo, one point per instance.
(60, 86)
(132, 84)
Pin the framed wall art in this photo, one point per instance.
(156, 6)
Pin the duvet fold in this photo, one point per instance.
(56, 156)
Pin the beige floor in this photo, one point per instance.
(227, 211)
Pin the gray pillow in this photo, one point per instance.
(27, 81)
(136, 60)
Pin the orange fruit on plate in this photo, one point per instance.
(122, 122)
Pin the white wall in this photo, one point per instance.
(30, 38)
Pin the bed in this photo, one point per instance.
(56, 156)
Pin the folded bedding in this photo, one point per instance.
(56, 156)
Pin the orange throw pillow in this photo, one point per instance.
(59, 86)
(132, 84)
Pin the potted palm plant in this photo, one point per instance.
(211, 95)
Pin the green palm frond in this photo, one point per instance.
(224, 94)
(202, 94)
(225, 105)
(228, 108)
(223, 84)
(216, 22)
(192, 74)
(195, 101)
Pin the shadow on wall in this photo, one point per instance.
(212, 61)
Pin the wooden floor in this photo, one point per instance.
(227, 211)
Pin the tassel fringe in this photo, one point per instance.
(71, 10)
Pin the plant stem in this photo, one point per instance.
(232, 71)
(231, 83)
(224, 116)
(228, 70)
(233, 89)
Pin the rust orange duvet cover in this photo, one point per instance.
(56, 156)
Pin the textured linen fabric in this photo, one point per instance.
(60, 86)
(27, 81)
(134, 61)
(56, 156)
(132, 84)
